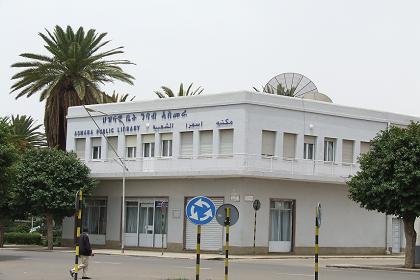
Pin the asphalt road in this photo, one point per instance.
(22, 265)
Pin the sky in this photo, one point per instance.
(360, 53)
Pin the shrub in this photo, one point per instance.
(22, 238)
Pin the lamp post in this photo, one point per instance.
(121, 162)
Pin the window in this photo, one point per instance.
(206, 142)
(132, 208)
(112, 147)
(329, 149)
(348, 151)
(96, 148)
(364, 147)
(148, 145)
(226, 141)
(268, 143)
(131, 146)
(94, 216)
(289, 145)
(186, 144)
(309, 147)
(80, 147)
(166, 142)
(281, 215)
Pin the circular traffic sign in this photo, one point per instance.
(221, 214)
(256, 205)
(200, 210)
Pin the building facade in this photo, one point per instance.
(234, 147)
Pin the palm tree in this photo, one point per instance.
(69, 76)
(26, 133)
(167, 92)
(280, 90)
(116, 98)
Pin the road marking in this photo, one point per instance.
(295, 274)
(107, 262)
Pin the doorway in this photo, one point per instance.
(281, 226)
(146, 223)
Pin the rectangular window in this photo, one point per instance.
(268, 143)
(364, 147)
(206, 142)
(131, 222)
(166, 144)
(112, 147)
(131, 146)
(186, 149)
(96, 148)
(348, 151)
(281, 215)
(94, 216)
(148, 141)
(226, 142)
(289, 146)
(329, 149)
(80, 148)
(309, 147)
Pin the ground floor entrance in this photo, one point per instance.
(146, 222)
(281, 225)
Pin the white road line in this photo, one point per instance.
(295, 274)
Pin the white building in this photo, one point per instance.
(289, 153)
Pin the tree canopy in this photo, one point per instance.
(70, 75)
(167, 92)
(389, 178)
(47, 181)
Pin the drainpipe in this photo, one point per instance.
(387, 252)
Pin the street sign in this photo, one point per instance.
(221, 214)
(318, 215)
(256, 205)
(200, 210)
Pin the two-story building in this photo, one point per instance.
(290, 153)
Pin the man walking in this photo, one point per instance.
(85, 251)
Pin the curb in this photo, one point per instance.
(383, 268)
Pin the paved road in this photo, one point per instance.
(22, 265)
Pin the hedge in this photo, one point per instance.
(22, 238)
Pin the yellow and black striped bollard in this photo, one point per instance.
(316, 245)
(197, 263)
(78, 225)
(227, 222)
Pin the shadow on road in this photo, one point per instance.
(5, 258)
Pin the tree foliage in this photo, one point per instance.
(69, 76)
(8, 157)
(26, 133)
(389, 179)
(167, 92)
(47, 181)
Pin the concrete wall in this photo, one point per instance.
(345, 225)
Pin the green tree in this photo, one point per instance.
(116, 98)
(8, 157)
(46, 184)
(167, 92)
(279, 90)
(69, 76)
(26, 133)
(389, 179)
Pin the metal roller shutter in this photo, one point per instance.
(211, 234)
(186, 144)
(206, 142)
(347, 156)
(80, 147)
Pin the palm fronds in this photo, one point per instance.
(167, 92)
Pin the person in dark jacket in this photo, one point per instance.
(85, 251)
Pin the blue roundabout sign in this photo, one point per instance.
(200, 210)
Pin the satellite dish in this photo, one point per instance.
(290, 84)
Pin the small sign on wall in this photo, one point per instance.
(176, 213)
(235, 197)
(249, 198)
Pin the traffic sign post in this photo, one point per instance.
(317, 226)
(163, 210)
(200, 210)
(256, 205)
(78, 218)
(227, 224)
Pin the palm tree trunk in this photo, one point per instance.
(50, 233)
(410, 242)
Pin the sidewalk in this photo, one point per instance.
(192, 255)
(385, 267)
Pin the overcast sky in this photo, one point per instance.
(360, 53)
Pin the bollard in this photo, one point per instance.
(317, 224)
(227, 223)
(78, 217)
(255, 229)
(197, 263)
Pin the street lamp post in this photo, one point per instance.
(121, 162)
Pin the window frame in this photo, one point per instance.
(327, 152)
